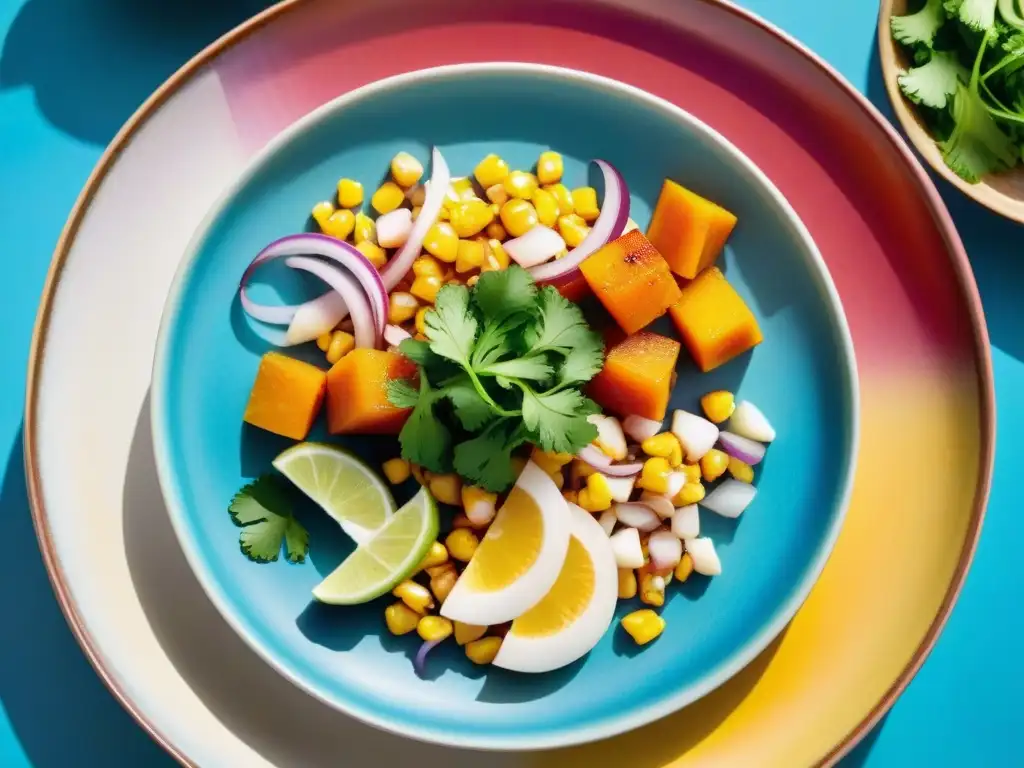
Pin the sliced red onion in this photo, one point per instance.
(599, 461)
(744, 449)
(419, 663)
(637, 515)
(661, 505)
(730, 498)
(393, 228)
(626, 546)
(686, 522)
(538, 245)
(748, 421)
(395, 335)
(609, 225)
(322, 308)
(697, 434)
(640, 428)
(400, 264)
(665, 549)
(368, 331)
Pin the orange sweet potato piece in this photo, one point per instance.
(714, 321)
(632, 280)
(286, 396)
(574, 289)
(357, 398)
(637, 374)
(688, 231)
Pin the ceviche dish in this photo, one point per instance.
(497, 325)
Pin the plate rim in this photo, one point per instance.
(943, 223)
(620, 723)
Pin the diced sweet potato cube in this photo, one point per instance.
(286, 396)
(632, 280)
(574, 289)
(688, 231)
(714, 321)
(637, 374)
(357, 398)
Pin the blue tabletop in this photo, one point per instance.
(71, 72)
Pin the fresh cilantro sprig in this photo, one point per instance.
(501, 366)
(262, 510)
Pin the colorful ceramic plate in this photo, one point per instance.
(802, 374)
(913, 310)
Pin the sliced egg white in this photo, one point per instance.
(520, 556)
(573, 616)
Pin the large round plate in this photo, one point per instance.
(802, 374)
(919, 335)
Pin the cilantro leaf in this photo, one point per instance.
(452, 326)
(425, 440)
(402, 394)
(920, 28)
(531, 368)
(560, 325)
(933, 84)
(416, 350)
(976, 146)
(583, 361)
(261, 508)
(486, 460)
(504, 293)
(558, 419)
(470, 409)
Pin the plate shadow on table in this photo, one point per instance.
(92, 70)
(58, 708)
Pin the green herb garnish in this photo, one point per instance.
(262, 509)
(501, 367)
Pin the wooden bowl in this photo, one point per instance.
(999, 192)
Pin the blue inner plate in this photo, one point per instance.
(802, 375)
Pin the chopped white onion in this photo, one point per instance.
(746, 450)
(705, 559)
(538, 245)
(621, 487)
(611, 440)
(393, 228)
(748, 421)
(676, 481)
(395, 335)
(315, 318)
(640, 428)
(665, 549)
(607, 520)
(730, 498)
(697, 434)
(637, 515)
(661, 504)
(686, 522)
(626, 546)
(481, 512)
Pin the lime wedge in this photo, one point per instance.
(342, 484)
(389, 557)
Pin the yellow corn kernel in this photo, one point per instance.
(520, 184)
(562, 196)
(322, 212)
(685, 567)
(496, 194)
(462, 544)
(718, 406)
(416, 596)
(443, 581)
(471, 496)
(426, 266)
(490, 171)
(341, 344)
(442, 241)
(470, 217)
(627, 584)
(654, 476)
(572, 497)
(421, 320)
(350, 193)
(484, 650)
(518, 217)
(446, 488)
(584, 203)
(435, 570)
(323, 341)
(365, 229)
(713, 464)
(643, 625)
(340, 224)
(549, 168)
(459, 190)
(550, 461)
(402, 307)
(436, 555)
(400, 618)
(373, 253)
(690, 494)
(741, 470)
(546, 206)
(417, 472)
(406, 169)
(470, 255)
(426, 288)
(387, 198)
(518, 465)
(396, 470)
(434, 628)
(467, 633)
(667, 446)
(573, 229)
(496, 258)
(652, 589)
(495, 208)
(692, 472)
(597, 496)
(495, 231)
(472, 280)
